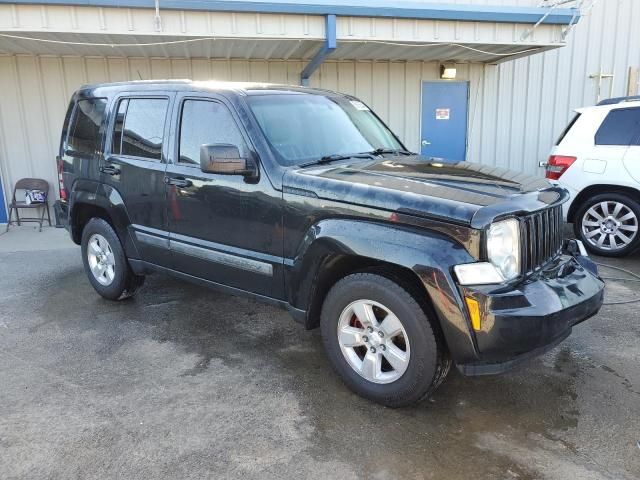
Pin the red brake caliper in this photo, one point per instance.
(355, 322)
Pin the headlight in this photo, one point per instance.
(503, 247)
(503, 252)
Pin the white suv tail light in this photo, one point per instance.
(557, 165)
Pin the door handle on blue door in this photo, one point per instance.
(178, 182)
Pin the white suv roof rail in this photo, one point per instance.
(613, 101)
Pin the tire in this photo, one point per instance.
(112, 278)
(395, 383)
(619, 235)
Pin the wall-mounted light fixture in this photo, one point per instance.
(448, 71)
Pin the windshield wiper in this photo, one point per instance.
(335, 157)
(382, 151)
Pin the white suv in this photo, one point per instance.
(597, 158)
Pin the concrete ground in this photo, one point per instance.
(183, 382)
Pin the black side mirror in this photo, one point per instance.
(225, 159)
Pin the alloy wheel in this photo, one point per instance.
(609, 225)
(101, 260)
(373, 341)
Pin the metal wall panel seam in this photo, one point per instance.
(5, 167)
(552, 125)
(497, 107)
(45, 115)
(511, 110)
(21, 115)
(523, 156)
(572, 69)
(14, 16)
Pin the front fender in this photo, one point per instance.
(430, 255)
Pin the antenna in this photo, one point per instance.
(551, 5)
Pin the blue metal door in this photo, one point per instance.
(444, 120)
(3, 211)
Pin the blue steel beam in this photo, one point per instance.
(351, 8)
(330, 44)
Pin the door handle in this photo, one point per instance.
(425, 143)
(178, 182)
(110, 170)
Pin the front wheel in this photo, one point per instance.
(607, 224)
(105, 262)
(380, 341)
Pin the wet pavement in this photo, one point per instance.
(184, 382)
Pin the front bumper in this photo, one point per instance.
(518, 323)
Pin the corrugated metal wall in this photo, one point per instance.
(516, 109)
(528, 102)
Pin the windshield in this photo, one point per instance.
(304, 127)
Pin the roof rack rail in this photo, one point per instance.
(613, 101)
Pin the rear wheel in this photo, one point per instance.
(380, 341)
(105, 262)
(608, 223)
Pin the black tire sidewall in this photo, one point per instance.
(612, 197)
(418, 379)
(121, 280)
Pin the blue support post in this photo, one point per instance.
(327, 49)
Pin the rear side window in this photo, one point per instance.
(620, 127)
(204, 123)
(139, 128)
(567, 128)
(84, 131)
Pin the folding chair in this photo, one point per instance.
(29, 184)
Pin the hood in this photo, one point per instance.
(461, 192)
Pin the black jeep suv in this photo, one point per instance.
(303, 198)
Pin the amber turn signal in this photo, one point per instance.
(474, 312)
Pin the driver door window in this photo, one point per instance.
(202, 123)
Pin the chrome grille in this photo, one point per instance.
(542, 237)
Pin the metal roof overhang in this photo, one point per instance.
(350, 8)
(261, 29)
(130, 45)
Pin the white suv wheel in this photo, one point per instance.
(610, 225)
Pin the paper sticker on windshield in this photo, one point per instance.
(358, 105)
